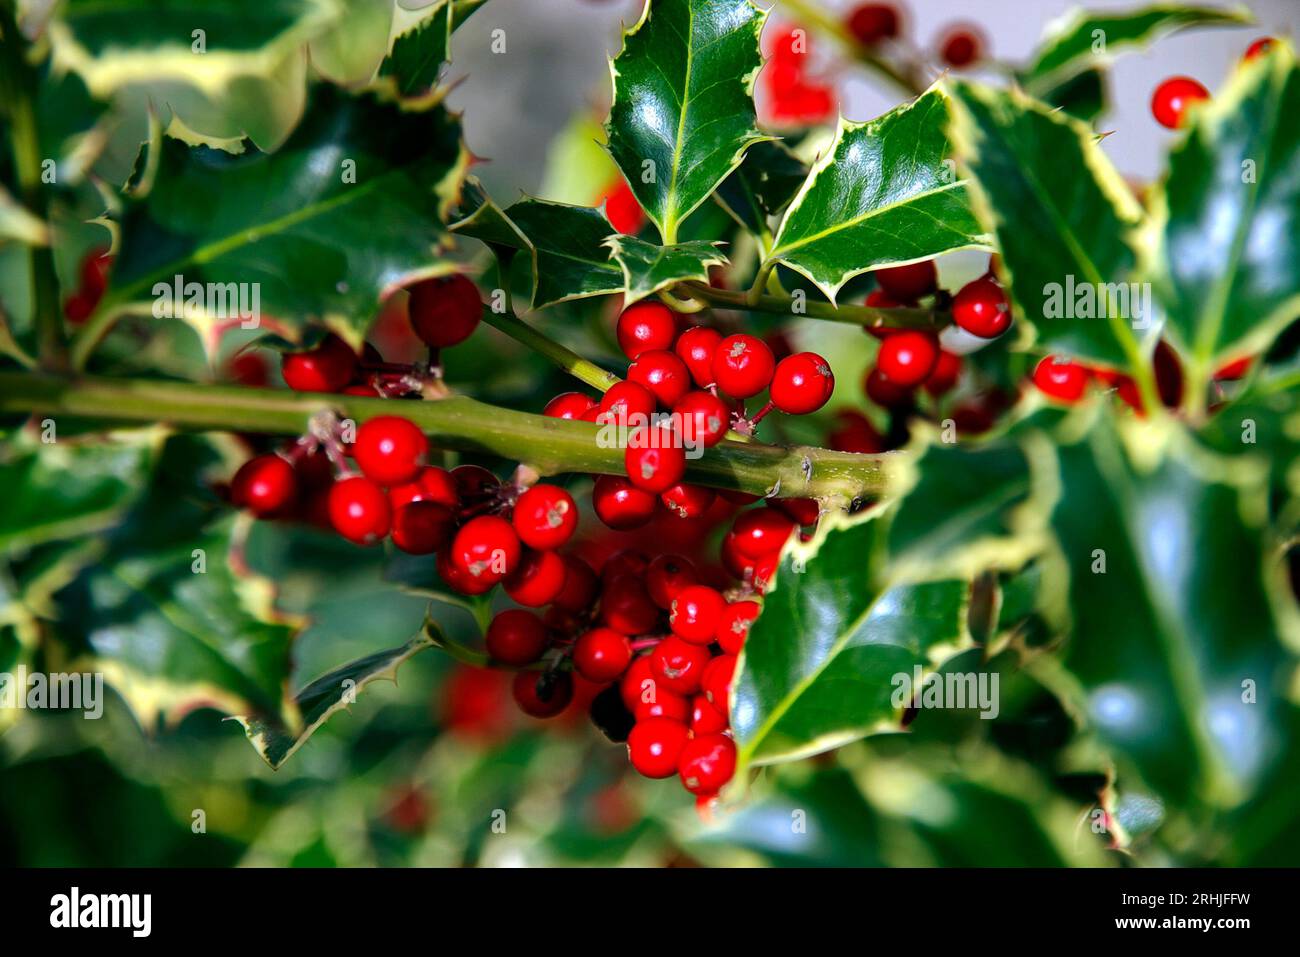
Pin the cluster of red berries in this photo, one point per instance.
(794, 96)
(1175, 95)
(1066, 382)
(685, 389)
(871, 24)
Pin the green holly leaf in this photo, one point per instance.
(225, 68)
(1081, 38)
(819, 665)
(420, 51)
(881, 194)
(964, 510)
(565, 243)
(647, 268)
(1175, 658)
(69, 488)
(296, 226)
(683, 109)
(1082, 95)
(762, 185)
(1228, 265)
(1063, 219)
(325, 697)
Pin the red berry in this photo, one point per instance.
(802, 511)
(761, 532)
(422, 528)
(738, 564)
(802, 383)
(655, 745)
(569, 405)
(625, 402)
(620, 504)
(644, 327)
(654, 458)
(580, 585)
(679, 664)
(1236, 369)
(516, 637)
(662, 373)
(872, 22)
(622, 209)
(693, 615)
(696, 347)
(487, 548)
(885, 393)
(701, 417)
(1172, 97)
(432, 484)
(980, 307)
(95, 266)
(909, 282)
(1169, 375)
(743, 366)
(716, 683)
(945, 374)
(1259, 48)
(264, 485)
(538, 580)
(734, 623)
(445, 311)
(625, 606)
(326, 368)
(688, 501)
(1061, 380)
(390, 450)
(458, 578)
(359, 510)
(854, 431)
(961, 47)
(545, 517)
(706, 719)
(474, 483)
(626, 562)
(908, 357)
(542, 694)
(638, 686)
(668, 575)
(707, 763)
(602, 654)
(665, 704)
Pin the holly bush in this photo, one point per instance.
(916, 490)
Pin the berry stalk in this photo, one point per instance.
(869, 316)
(551, 445)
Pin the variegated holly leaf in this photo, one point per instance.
(1063, 218)
(418, 52)
(885, 192)
(326, 696)
(647, 267)
(762, 185)
(1228, 269)
(1081, 38)
(67, 488)
(295, 228)
(1177, 656)
(966, 509)
(821, 664)
(1082, 96)
(565, 243)
(350, 51)
(683, 109)
(226, 68)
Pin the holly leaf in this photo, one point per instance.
(326, 696)
(1081, 38)
(418, 53)
(818, 669)
(565, 243)
(647, 268)
(1063, 218)
(1082, 95)
(1228, 267)
(1175, 658)
(683, 108)
(69, 488)
(762, 185)
(226, 68)
(292, 232)
(881, 194)
(351, 50)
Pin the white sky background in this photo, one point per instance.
(555, 65)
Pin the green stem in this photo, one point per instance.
(551, 445)
(568, 360)
(870, 316)
(811, 13)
